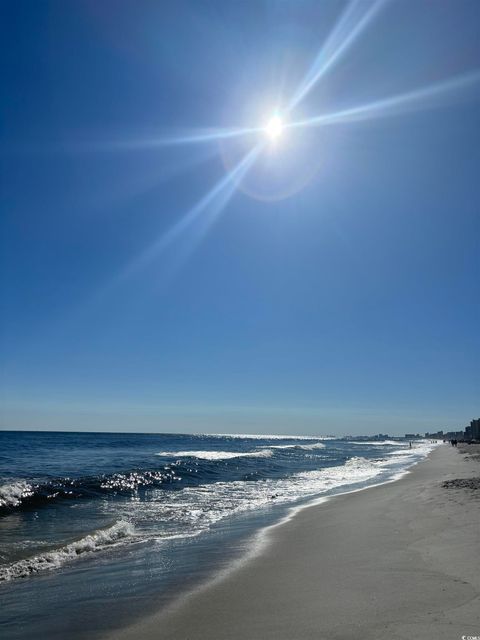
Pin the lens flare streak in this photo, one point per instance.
(204, 136)
(186, 137)
(356, 18)
(211, 204)
(424, 98)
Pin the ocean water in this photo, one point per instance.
(97, 529)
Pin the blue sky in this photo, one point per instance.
(332, 285)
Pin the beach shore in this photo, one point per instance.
(396, 561)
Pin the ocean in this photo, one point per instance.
(97, 529)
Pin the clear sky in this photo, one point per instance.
(169, 263)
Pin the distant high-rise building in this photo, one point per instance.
(474, 429)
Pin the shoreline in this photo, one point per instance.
(398, 559)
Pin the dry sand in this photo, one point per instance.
(397, 561)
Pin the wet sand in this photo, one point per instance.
(396, 561)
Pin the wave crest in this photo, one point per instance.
(216, 455)
(12, 494)
(22, 494)
(56, 558)
(305, 447)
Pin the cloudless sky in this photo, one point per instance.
(336, 289)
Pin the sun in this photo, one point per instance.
(274, 128)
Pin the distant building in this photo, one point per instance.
(454, 435)
(435, 436)
(412, 436)
(472, 432)
(475, 429)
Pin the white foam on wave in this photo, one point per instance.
(305, 447)
(382, 443)
(56, 558)
(12, 493)
(216, 455)
(309, 447)
(402, 452)
(202, 506)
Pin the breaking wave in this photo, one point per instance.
(56, 558)
(20, 494)
(12, 494)
(305, 447)
(203, 506)
(216, 455)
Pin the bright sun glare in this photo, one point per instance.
(274, 128)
